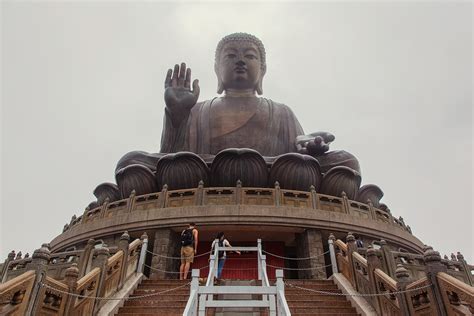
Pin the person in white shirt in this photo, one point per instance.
(222, 254)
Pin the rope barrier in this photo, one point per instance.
(163, 256)
(113, 298)
(299, 269)
(356, 294)
(288, 258)
(165, 271)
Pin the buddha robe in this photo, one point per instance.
(271, 130)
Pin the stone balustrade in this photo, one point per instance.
(238, 195)
(36, 292)
(440, 291)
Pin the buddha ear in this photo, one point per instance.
(259, 87)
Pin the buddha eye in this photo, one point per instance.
(230, 55)
(249, 56)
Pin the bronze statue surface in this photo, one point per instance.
(236, 136)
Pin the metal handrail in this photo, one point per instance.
(273, 296)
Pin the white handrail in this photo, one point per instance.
(273, 297)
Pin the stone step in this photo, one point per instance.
(318, 310)
(155, 303)
(308, 281)
(177, 308)
(308, 313)
(320, 287)
(314, 297)
(166, 282)
(318, 303)
(161, 297)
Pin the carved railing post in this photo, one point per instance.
(162, 197)
(388, 264)
(84, 215)
(4, 272)
(123, 245)
(277, 194)
(345, 202)
(238, 192)
(314, 197)
(131, 201)
(372, 214)
(332, 253)
(403, 278)
(104, 207)
(72, 274)
(199, 193)
(433, 267)
(465, 268)
(101, 262)
(351, 247)
(373, 262)
(86, 257)
(141, 259)
(39, 264)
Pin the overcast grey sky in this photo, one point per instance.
(82, 85)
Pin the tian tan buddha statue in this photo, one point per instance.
(235, 136)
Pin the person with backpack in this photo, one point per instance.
(189, 243)
(222, 242)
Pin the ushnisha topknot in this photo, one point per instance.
(242, 37)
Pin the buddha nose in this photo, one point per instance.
(240, 63)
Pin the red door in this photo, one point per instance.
(243, 267)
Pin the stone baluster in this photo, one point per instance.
(345, 203)
(351, 247)
(403, 278)
(332, 253)
(143, 253)
(238, 192)
(433, 266)
(131, 201)
(314, 197)
(199, 194)
(100, 261)
(104, 207)
(465, 268)
(372, 214)
(39, 264)
(72, 274)
(373, 262)
(163, 196)
(388, 264)
(123, 245)
(277, 194)
(86, 257)
(4, 272)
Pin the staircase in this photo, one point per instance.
(303, 302)
(167, 304)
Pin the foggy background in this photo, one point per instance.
(82, 84)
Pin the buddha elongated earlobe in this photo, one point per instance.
(220, 86)
(259, 86)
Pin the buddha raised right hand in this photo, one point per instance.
(179, 97)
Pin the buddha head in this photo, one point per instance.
(240, 63)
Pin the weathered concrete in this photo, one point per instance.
(166, 243)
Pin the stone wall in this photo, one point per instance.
(166, 243)
(310, 244)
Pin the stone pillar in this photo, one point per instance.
(465, 268)
(433, 266)
(403, 278)
(166, 244)
(39, 264)
(123, 245)
(310, 244)
(373, 262)
(72, 274)
(351, 247)
(101, 262)
(86, 257)
(4, 272)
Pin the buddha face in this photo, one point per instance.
(239, 66)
